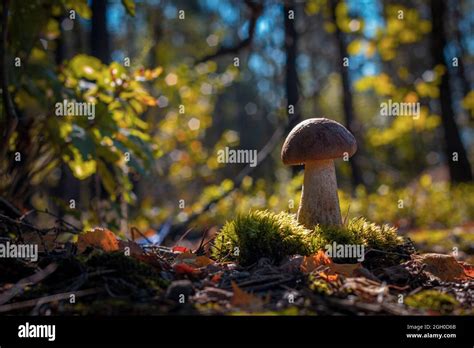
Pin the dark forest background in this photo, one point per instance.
(175, 81)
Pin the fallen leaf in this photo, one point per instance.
(99, 238)
(310, 263)
(328, 277)
(185, 269)
(243, 299)
(313, 262)
(345, 269)
(443, 267)
(216, 278)
(181, 249)
(194, 260)
(468, 269)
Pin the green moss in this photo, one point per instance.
(261, 234)
(432, 300)
(265, 234)
(359, 231)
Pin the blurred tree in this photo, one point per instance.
(349, 114)
(456, 156)
(99, 35)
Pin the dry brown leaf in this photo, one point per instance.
(194, 260)
(313, 262)
(243, 299)
(99, 238)
(443, 267)
(345, 269)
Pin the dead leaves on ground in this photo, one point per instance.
(244, 300)
(328, 269)
(444, 267)
(190, 264)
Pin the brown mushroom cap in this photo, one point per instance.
(317, 139)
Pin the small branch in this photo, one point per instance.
(47, 299)
(256, 11)
(28, 281)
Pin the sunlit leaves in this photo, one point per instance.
(84, 66)
(129, 6)
(80, 6)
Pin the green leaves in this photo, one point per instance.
(84, 66)
(80, 6)
(114, 142)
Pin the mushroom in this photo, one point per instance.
(316, 142)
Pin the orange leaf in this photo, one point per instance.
(310, 263)
(243, 299)
(313, 262)
(180, 249)
(328, 277)
(216, 278)
(468, 269)
(101, 238)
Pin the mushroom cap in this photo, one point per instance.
(317, 139)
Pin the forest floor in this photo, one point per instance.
(102, 275)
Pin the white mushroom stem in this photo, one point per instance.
(319, 201)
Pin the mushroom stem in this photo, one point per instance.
(319, 201)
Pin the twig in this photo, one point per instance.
(256, 12)
(58, 219)
(33, 279)
(47, 299)
(133, 229)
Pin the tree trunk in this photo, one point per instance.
(460, 170)
(349, 117)
(291, 74)
(99, 36)
(291, 77)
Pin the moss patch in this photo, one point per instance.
(261, 234)
(358, 231)
(265, 234)
(432, 300)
